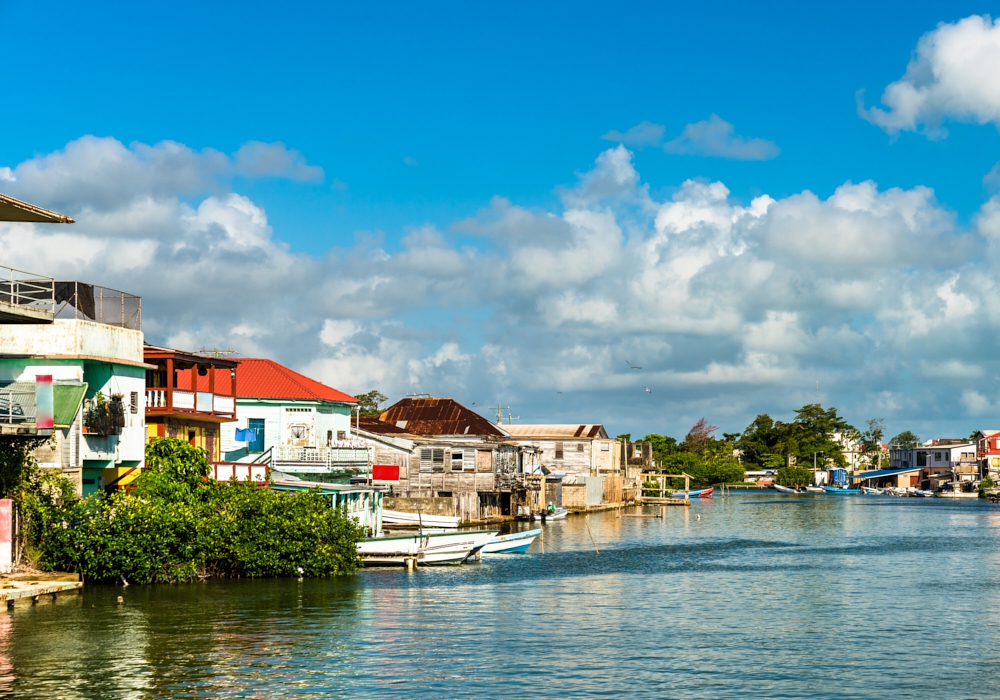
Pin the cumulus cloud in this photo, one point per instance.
(642, 134)
(730, 307)
(717, 138)
(952, 75)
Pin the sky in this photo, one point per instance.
(761, 206)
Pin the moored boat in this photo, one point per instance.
(698, 493)
(840, 489)
(514, 543)
(401, 518)
(814, 489)
(872, 491)
(548, 515)
(436, 548)
(786, 489)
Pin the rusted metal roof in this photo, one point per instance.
(569, 431)
(374, 425)
(437, 417)
(15, 210)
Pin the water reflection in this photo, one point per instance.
(760, 596)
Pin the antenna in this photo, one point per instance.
(511, 419)
(216, 352)
(500, 408)
(419, 395)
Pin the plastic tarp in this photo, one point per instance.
(67, 399)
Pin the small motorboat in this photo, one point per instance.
(786, 489)
(872, 491)
(401, 518)
(549, 515)
(840, 489)
(698, 493)
(814, 489)
(919, 493)
(514, 543)
(437, 548)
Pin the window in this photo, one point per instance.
(341, 434)
(432, 459)
(579, 447)
(921, 459)
(937, 456)
(457, 458)
(134, 402)
(605, 447)
(329, 438)
(559, 450)
(297, 410)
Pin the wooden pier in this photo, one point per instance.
(660, 501)
(19, 590)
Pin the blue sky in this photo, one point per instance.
(418, 117)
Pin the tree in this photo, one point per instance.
(904, 441)
(871, 442)
(663, 446)
(624, 437)
(793, 476)
(370, 401)
(699, 437)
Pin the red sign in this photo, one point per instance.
(385, 472)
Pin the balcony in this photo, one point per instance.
(320, 460)
(26, 297)
(103, 418)
(187, 384)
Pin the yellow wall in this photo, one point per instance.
(181, 429)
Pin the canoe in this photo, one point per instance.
(837, 489)
(514, 543)
(557, 514)
(437, 548)
(698, 493)
(398, 517)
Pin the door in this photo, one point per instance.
(257, 426)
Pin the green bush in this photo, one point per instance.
(793, 476)
(175, 525)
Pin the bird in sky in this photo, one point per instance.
(648, 390)
(631, 365)
(558, 392)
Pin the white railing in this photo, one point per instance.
(184, 399)
(322, 458)
(224, 404)
(156, 398)
(27, 289)
(226, 471)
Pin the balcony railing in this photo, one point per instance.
(165, 401)
(91, 302)
(321, 459)
(17, 406)
(104, 418)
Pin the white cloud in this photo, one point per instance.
(716, 137)
(730, 307)
(952, 75)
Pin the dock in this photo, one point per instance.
(661, 501)
(23, 590)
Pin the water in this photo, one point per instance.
(763, 596)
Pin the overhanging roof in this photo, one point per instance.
(15, 210)
(875, 474)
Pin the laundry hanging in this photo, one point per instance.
(245, 435)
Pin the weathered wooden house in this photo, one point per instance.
(445, 450)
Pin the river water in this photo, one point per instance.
(752, 595)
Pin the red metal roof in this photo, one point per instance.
(437, 417)
(266, 379)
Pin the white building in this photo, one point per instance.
(939, 457)
(300, 426)
(89, 340)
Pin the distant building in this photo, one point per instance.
(577, 450)
(939, 461)
(988, 453)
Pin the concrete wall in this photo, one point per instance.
(72, 338)
(574, 496)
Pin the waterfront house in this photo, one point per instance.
(951, 459)
(575, 450)
(87, 341)
(296, 424)
(453, 452)
(988, 453)
(189, 396)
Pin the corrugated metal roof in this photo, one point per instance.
(884, 472)
(15, 210)
(374, 425)
(437, 417)
(266, 379)
(566, 431)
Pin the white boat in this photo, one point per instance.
(437, 548)
(815, 489)
(547, 516)
(872, 491)
(514, 543)
(785, 489)
(398, 517)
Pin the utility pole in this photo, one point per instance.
(500, 409)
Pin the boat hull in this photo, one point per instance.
(398, 517)
(426, 549)
(700, 493)
(559, 514)
(514, 543)
(834, 489)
